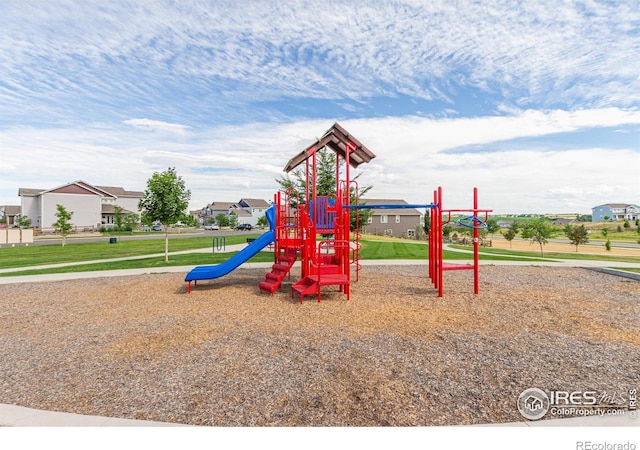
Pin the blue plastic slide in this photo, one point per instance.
(219, 270)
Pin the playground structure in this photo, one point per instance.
(317, 229)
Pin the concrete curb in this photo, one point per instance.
(20, 416)
(616, 272)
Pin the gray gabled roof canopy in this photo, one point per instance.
(336, 138)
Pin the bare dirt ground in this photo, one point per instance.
(395, 354)
(527, 246)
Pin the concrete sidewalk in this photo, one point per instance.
(19, 416)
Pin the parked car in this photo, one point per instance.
(156, 227)
(178, 224)
(211, 227)
(244, 227)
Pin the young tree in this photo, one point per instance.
(262, 221)
(165, 200)
(222, 220)
(233, 219)
(511, 232)
(24, 222)
(63, 225)
(118, 217)
(131, 220)
(577, 235)
(492, 226)
(537, 230)
(427, 221)
(509, 235)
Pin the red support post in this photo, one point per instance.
(440, 244)
(476, 244)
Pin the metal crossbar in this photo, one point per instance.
(391, 206)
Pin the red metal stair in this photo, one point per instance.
(279, 270)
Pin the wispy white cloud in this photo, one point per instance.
(414, 156)
(218, 54)
(157, 125)
(227, 92)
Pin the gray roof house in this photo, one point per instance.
(400, 222)
(10, 213)
(247, 210)
(92, 206)
(615, 211)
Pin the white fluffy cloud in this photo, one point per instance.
(414, 155)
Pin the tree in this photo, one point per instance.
(511, 232)
(222, 220)
(427, 221)
(326, 184)
(605, 232)
(233, 219)
(537, 230)
(492, 226)
(577, 235)
(118, 217)
(509, 235)
(23, 222)
(165, 201)
(262, 221)
(446, 231)
(63, 225)
(131, 220)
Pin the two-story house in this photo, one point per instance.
(615, 211)
(247, 210)
(92, 206)
(400, 222)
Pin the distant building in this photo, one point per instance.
(400, 222)
(92, 206)
(247, 210)
(615, 211)
(10, 214)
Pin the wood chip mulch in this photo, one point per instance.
(139, 347)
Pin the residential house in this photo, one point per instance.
(562, 221)
(615, 211)
(92, 206)
(247, 210)
(399, 222)
(208, 213)
(9, 214)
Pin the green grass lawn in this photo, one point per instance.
(389, 249)
(36, 255)
(373, 247)
(192, 259)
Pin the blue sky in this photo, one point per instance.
(537, 103)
